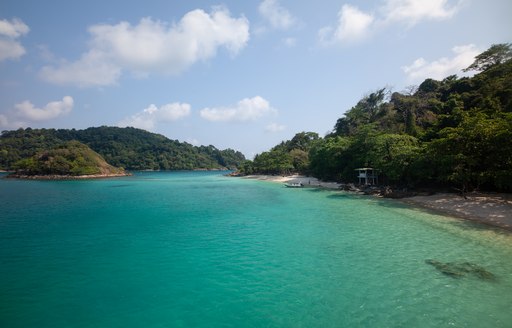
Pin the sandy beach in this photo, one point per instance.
(493, 209)
(489, 208)
(306, 181)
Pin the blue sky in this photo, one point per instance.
(235, 74)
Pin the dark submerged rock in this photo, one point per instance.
(462, 269)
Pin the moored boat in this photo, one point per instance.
(294, 185)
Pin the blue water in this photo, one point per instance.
(197, 249)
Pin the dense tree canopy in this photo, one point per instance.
(455, 132)
(289, 156)
(130, 148)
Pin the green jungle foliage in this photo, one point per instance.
(70, 158)
(451, 133)
(129, 148)
(288, 156)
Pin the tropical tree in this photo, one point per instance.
(367, 110)
(394, 156)
(476, 153)
(495, 55)
(330, 157)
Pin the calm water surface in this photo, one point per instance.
(197, 249)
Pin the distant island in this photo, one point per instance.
(70, 160)
(128, 148)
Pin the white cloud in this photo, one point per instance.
(152, 115)
(174, 111)
(52, 110)
(92, 69)
(278, 16)
(8, 122)
(354, 24)
(13, 29)
(438, 69)
(10, 31)
(10, 49)
(152, 46)
(274, 127)
(248, 109)
(413, 11)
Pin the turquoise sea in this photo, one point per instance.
(198, 249)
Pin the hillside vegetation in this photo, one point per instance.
(451, 133)
(71, 158)
(129, 148)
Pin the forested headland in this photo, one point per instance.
(69, 159)
(451, 133)
(128, 148)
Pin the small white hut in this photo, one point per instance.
(367, 176)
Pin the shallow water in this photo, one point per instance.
(197, 249)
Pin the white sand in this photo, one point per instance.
(491, 209)
(306, 181)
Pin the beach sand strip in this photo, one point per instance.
(494, 209)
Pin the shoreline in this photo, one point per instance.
(492, 209)
(308, 182)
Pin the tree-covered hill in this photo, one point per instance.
(71, 158)
(455, 132)
(130, 148)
